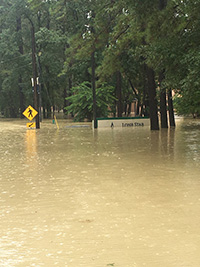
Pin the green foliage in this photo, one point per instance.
(82, 101)
(126, 35)
(188, 103)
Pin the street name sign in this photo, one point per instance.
(125, 122)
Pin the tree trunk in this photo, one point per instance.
(48, 111)
(34, 65)
(40, 88)
(67, 93)
(163, 110)
(21, 51)
(54, 109)
(153, 109)
(119, 94)
(94, 89)
(171, 109)
(48, 97)
(65, 101)
(162, 4)
(44, 111)
(138, 108)
(163, 106)
(145, 103)
(129, 109)
(21, 98)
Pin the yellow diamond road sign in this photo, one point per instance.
(30, 113)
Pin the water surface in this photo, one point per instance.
(110, 197)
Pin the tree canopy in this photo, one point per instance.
(123, 50)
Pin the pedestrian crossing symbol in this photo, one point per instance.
(30, 113)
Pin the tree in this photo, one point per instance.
(82, 101)
(142, 49)
(15, 63)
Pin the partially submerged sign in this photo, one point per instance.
(30, 113)
(122, 122)
(31, 125)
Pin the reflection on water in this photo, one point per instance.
(109, 197)
(31, 146)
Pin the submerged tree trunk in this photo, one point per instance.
(119, 94)
(44, 111)
(163, 105)
(171, 109)
(144, 110)
(94, 89)
(34, 66)
(163, 109)
(153, 109)
(67, 93)
(48, 111)
(21, 98)
(48, 97)
(54, 109)
(65, 104)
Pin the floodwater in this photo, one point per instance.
(78, 197)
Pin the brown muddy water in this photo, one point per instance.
(110, 197)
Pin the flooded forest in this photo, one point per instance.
(75, 190)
